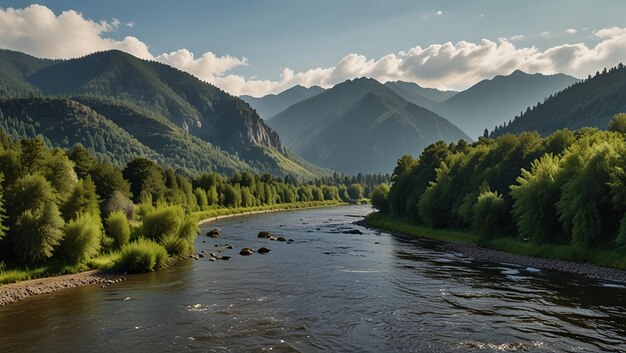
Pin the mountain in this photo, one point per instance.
(589, 103)
(493, 102)
(360, 126)
(272, 104)
(424, 97)
(168, 111)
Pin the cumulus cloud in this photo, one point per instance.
(570, 30)
(38, 31)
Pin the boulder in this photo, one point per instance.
(263, 250)
(281, 239)
(214, 233)
(264, 234)
(246, 251)
(226, 258)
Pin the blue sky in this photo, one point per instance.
(303, 35)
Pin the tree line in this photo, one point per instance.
(566, 188)
(67, 206)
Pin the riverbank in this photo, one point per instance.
(597, 264)
(17, 284)
(14, 292)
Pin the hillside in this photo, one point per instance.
(360, 126)
(493, 102)
(272, 104)
(185, 118)
(424, 97)
(589, 103)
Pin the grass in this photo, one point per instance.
(201, 215)
(600, 257)
(108, 261)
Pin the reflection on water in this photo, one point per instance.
(329, 291)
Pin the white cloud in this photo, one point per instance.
(545, 33)
(517, 37)
(570, 30)
(38, 31)
(439, 12)
(130, 24)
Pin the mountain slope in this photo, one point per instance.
(590, 103)
(360, 126)
(424, 97)
(496, 101)
(207, 127)
(272, 104)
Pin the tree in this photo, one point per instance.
(108, 179)
(146, 179)
(118, 228)
(32, 156)
(84, 162)
(618, 123)
(201, 198)
(82, 237)
(355, 191)
(37, 232)
(379, 198)
(3, 227)
(83, 199)
(490, 214)
(59, 171)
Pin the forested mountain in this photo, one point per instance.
(272, 104)
(193, 124)
(424, 97)
(493, 102)
(589, 103)
(360, 126)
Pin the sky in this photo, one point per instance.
(266, 46)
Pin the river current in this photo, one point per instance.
(329, 291)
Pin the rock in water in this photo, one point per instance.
(264, 234)
(264, 250)
(281, 239)
(226, 258)
(214, 233)
(246, 252)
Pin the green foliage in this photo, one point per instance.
(83, 199)
(162, 222)
(567, 188)
(618, 123)
(119, 202)
(118, 228)
(355, 191)
(141, 256)
(3, 216)
(490, 214)
(37, 232)
(176, 246)
(146, 180)
(82, 237)
(535, 197)
(379, 198)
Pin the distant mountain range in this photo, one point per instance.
(112, 100)
(428, 98)
(360, 126)
(272, 104)
(493, 102)
(589, 103)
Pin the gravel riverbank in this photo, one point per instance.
(14, 292)
(491, 255)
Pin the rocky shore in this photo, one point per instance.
(14, 292)
(491, 255)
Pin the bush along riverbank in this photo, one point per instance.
(561, 196)
(598, 264)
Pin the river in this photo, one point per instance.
(327, 292)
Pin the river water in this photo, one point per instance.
(327, 292)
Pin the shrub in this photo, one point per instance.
(82, 237)
(142, 255)
(490, 214)
(120, 202)
(162, 222)
(380, 198)
(118, 228)
(176, 246)
(37, 232)
(188, 229)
